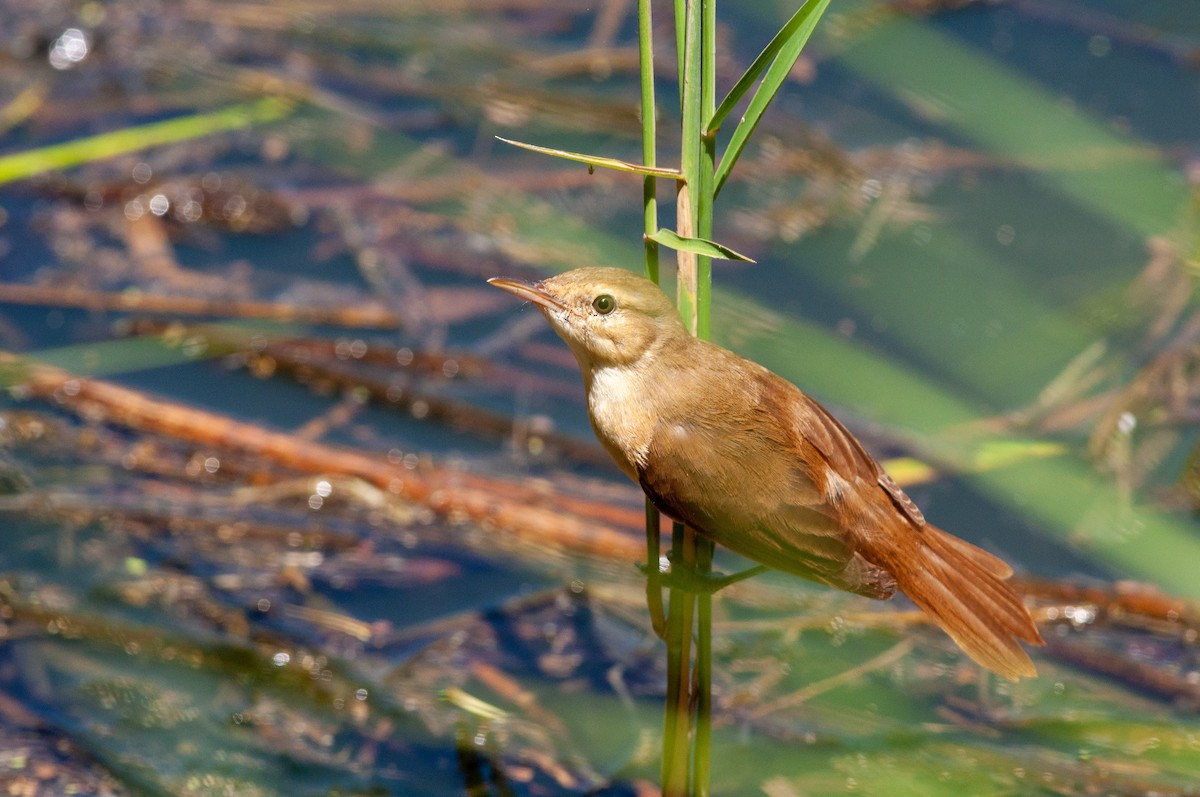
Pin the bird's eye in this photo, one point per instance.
(604, 304)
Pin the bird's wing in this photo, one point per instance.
(738, 490)
(847, 457)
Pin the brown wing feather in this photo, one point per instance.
(848, 458)
(682, 493)
(741, 493)
(962, 589)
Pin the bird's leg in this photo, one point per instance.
(652, 571)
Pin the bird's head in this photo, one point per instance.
(608, 316)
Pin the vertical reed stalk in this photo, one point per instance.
(688, 711)
(649, 140)
(654, 600)
(687, 718)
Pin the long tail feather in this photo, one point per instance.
(963, 589)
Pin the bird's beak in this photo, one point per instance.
(533, 291)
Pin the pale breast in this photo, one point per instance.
(620, 414)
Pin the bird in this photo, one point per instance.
(750, 461)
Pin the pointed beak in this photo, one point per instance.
(533, 291)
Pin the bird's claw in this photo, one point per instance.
(683, 576)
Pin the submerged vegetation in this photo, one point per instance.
(294, 504)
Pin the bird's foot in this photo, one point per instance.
(684, 576)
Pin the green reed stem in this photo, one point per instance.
(649, 144)
(693, 212)
(687, 722)
(677, 713)
(705, 195)
(676, 627)
(654, 599)
(702, 742)
(680, 42)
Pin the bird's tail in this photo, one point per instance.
(963, 589)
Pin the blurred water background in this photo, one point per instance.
(293, 503)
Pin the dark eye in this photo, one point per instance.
(604, 304)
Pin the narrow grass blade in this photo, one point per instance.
(22, 165)
(596, 160)
(756, 69)
(777, 61)
(697, 246)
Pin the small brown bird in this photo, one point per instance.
(749, 460)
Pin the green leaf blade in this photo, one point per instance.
(777, 60)
(598, 160)
(697, 246)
